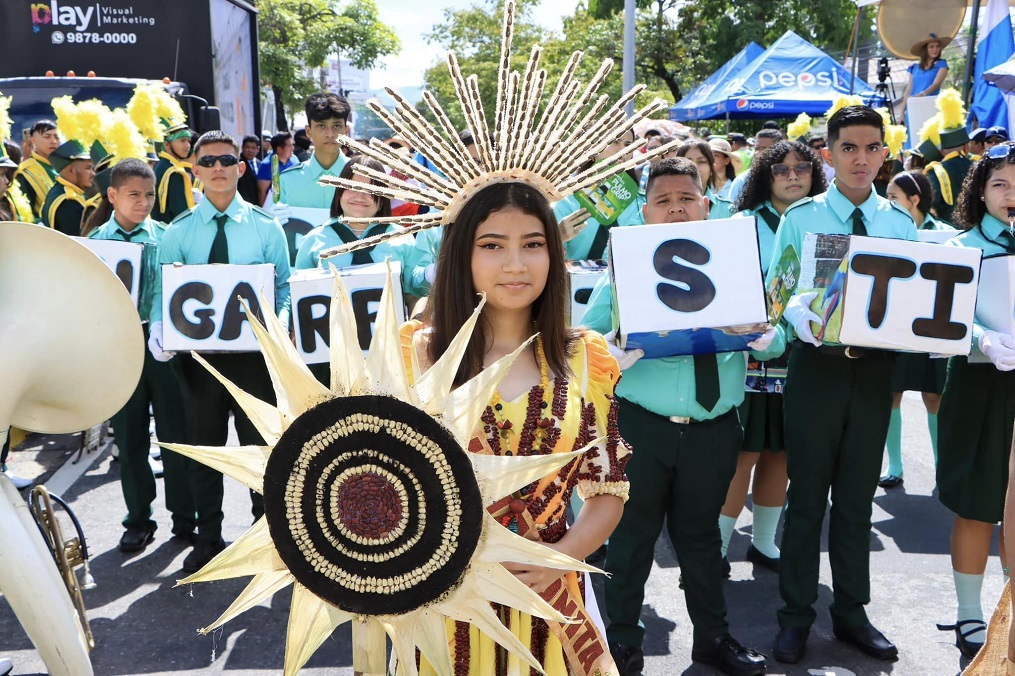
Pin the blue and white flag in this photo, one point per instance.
(995, 47)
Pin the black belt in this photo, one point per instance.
(679, 419)
(844, 351)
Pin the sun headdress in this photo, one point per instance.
(550, 148)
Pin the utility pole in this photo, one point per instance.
(629, 19)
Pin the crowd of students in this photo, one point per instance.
(683, 440)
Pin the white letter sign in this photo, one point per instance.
(123, 258)
(582, 276)
(688, 288)
(201, 310)
(310, 292)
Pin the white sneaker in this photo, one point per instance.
(6, 666)
(19, 483)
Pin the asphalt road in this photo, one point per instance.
(144, 624)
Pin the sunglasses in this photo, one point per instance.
(784, 170)
(1002, 151)
(208, 161)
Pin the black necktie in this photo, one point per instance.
(858, 227)
(1009, 240)
(129, 236)
(360, 256)
(770, 217)
(599, 242)
(706, 380)
(220, 245)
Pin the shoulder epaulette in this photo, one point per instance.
(262, 211)
(899, 208)
(802, 200)
(183, 215)
(295, 167)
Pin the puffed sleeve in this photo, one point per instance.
(602, 468)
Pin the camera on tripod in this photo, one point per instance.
(883, 72)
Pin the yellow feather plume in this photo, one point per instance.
(123, 139)
(801, 126)
(22, 206)
(886, 117)
(931, 130)
(5, 117)
(143, 111)
(895, 137)
(953, 114)
(66, 117)
(93, 118)
(842, 101)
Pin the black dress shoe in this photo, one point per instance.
(869, 640)
(136, 538)
(203, 552)
(755, 556)
(727, 655)
(890, 481)
(629, 659)
(963, 630)
(188, 537)
(790, 643)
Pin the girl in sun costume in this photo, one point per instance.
(561, 399)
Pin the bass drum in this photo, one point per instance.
(903, 23)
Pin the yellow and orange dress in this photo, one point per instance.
(565, 415)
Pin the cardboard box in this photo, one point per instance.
(310, 294)
(200, 307)
(583, 277)
(123, 258)
(899, 295)
(688, 288)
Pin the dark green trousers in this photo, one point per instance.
(837, 411)
(680, 474)
(208, 405)
(160, 390)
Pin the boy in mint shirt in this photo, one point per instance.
(131, 191)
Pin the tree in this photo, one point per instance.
(296, 36)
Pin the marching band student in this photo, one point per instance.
(14, 205)
(788, 172)
(679, 414)
(131, 192)
(700, 152)
(66, 204)
(837, 405)
(978, 404)
(174, 182)
(35, 175)
(221, 229)
(917, 372)
(505, 244)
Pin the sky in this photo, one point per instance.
(412, 19)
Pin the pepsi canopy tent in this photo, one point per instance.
(689, 107)
(790, 77)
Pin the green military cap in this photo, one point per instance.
(68, 152)
(101, 157)
(175, 131)
(953, 138)
(103, 180)
(930, 152)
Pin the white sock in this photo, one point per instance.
(727, 524)
(766, 521)
(967, 590)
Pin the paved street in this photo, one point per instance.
(144, 625)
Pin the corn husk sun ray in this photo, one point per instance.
(544, 148)
(381, 372)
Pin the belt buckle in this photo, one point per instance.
(849, 353)
(680, 419)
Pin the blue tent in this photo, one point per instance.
(689, 107)
(790, 77)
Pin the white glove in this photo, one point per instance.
(999, 348)
(573, 223)
(761, 343)
(799, 315)
(626, 358)
(281, 212)
(430, 273)
(155, 342)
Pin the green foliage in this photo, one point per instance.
(298, 35)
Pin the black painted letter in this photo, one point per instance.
(940, 324)
(234, 316)
(883, 269)
(204, 327)
(310, 325)
(700, 291)
(364, 317)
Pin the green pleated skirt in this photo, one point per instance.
(919, 373)
(761, 414)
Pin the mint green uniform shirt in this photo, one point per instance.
(149, 232)
(425, 250)
(401, 249)
(253, 235)
(298, 185)
(578, 248)
(832, 213)
(987, 237)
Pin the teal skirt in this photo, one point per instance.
(974, 439)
